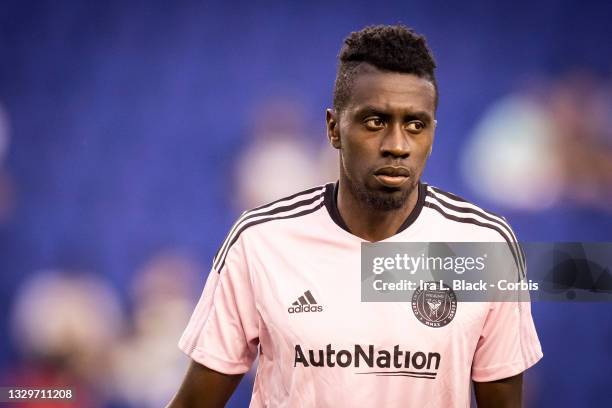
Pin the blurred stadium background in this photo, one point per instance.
(132, 134)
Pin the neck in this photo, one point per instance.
(367, 223)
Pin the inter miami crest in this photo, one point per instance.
(434, 304)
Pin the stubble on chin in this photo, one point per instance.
(382, 200)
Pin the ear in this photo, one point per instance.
(433, 137)
(333, 130)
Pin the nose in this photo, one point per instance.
(395, 142)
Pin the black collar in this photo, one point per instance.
(331, 203)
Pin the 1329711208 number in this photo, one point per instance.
(10, 394)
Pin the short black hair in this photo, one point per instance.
(394, 48)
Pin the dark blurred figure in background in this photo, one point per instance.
(72, 331)
(280, 150)
(162, 292)
(546, 146)
(580, 110)
(66, 324)
(6, 183)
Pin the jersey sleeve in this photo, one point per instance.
(223, 332)
(508, 342)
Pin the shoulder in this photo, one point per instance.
(295, 206)
(457, 210)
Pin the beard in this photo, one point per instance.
(385, 199)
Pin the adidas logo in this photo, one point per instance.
(305, 303)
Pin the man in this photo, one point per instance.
(286, 281)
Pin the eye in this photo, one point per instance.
(374, 123)
(415, 126)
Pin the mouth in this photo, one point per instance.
(392, 176)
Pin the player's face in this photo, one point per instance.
(385, 135)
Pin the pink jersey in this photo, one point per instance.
(286, 284)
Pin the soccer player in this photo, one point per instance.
(285, 284)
